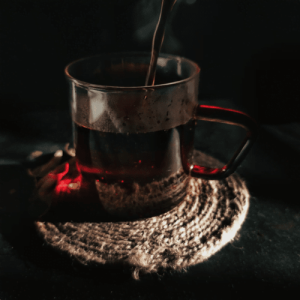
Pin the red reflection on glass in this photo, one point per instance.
(90, 169)
(221, 108)
(205, 170)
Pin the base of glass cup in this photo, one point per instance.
(144, 201)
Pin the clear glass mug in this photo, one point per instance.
(128, 134)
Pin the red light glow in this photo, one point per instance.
(65, 185)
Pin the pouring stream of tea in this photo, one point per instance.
(158, 37)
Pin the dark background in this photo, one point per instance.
(248, 50)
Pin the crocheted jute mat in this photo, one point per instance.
(209, 217)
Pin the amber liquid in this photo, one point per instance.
(127, 158)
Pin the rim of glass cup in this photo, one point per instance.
(120, 54)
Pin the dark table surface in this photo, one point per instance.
(264, 258)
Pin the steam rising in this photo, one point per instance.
(146, 16)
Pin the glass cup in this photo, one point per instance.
(137, 141)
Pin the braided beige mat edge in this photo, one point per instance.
(209, 217)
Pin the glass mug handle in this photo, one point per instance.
(228, 116)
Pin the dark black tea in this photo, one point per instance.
(125, 158)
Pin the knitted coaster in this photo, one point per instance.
(209, 217)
